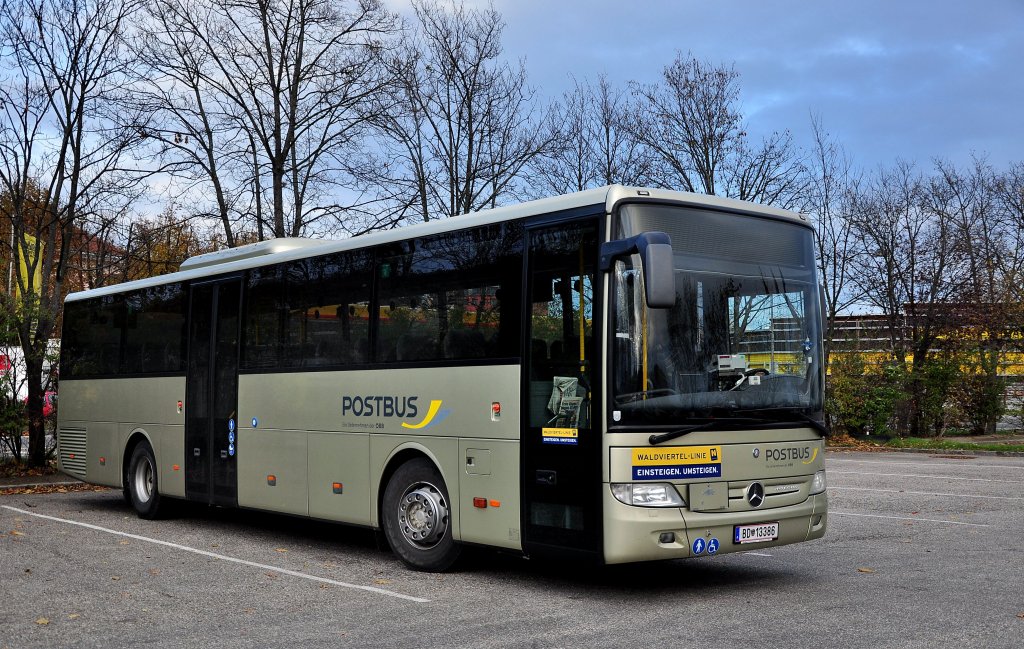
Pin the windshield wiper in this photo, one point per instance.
(726, 421)
(676, 434)
(783, 416)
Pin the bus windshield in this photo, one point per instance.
(743, 340)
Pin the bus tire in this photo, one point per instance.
(142, 482)
(417, 517)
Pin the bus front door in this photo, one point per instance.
(211, 393)
(561, 441)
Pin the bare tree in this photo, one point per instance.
(265, 101)
(61, 157)
(693, 122)
(460, 126)
(1009, 190)
(182, 118)
(591, 144)
(830, 190)
(987, 241)
(908, 268)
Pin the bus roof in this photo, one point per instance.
(286, 249)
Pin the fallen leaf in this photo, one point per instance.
(324, 586)
(382, 582)
(124, 542)
(214, 545)
(17, 533)
(42, 621)
(280, 550)
(115, 578)
(154, 571)
(28, 571)
(1021, 615)
(74, 616)
(866, 570)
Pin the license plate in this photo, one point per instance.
(755, 533)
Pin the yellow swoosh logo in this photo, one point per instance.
(435, 405)
(814, 455)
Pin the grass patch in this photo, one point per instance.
(940, 444)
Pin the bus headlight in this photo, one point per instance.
(818, 482)
(653, 494)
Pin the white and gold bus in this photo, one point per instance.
(600, 375)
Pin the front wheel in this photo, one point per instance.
(417, 517)
(142, 482)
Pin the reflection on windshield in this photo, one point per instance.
(730, 342)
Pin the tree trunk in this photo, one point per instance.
(36, 423)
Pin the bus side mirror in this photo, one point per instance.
(659, 276)
(655, 250)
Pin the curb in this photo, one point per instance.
(33, 485)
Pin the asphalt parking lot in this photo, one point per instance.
(922, 551)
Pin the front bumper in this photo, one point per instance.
(634, 533)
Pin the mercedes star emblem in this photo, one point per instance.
(755, 494)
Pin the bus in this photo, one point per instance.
(616, 375)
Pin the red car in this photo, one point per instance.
(49, 403)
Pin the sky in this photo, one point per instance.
(889, 79)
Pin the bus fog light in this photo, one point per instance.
(818, 483)
(657, 494)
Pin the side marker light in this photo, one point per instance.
(480, 503)
(272, 480)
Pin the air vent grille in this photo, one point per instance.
(72, 445)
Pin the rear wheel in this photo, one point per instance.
(417, 517)
(142, 482)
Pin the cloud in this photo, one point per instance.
(893, 79)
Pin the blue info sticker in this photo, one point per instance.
(699, 545)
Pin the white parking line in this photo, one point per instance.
(963, 463)
(917, 475)
(222, 557)
(922, 493)
(905, 518)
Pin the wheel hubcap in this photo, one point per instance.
(423, 515)
(144, 480)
